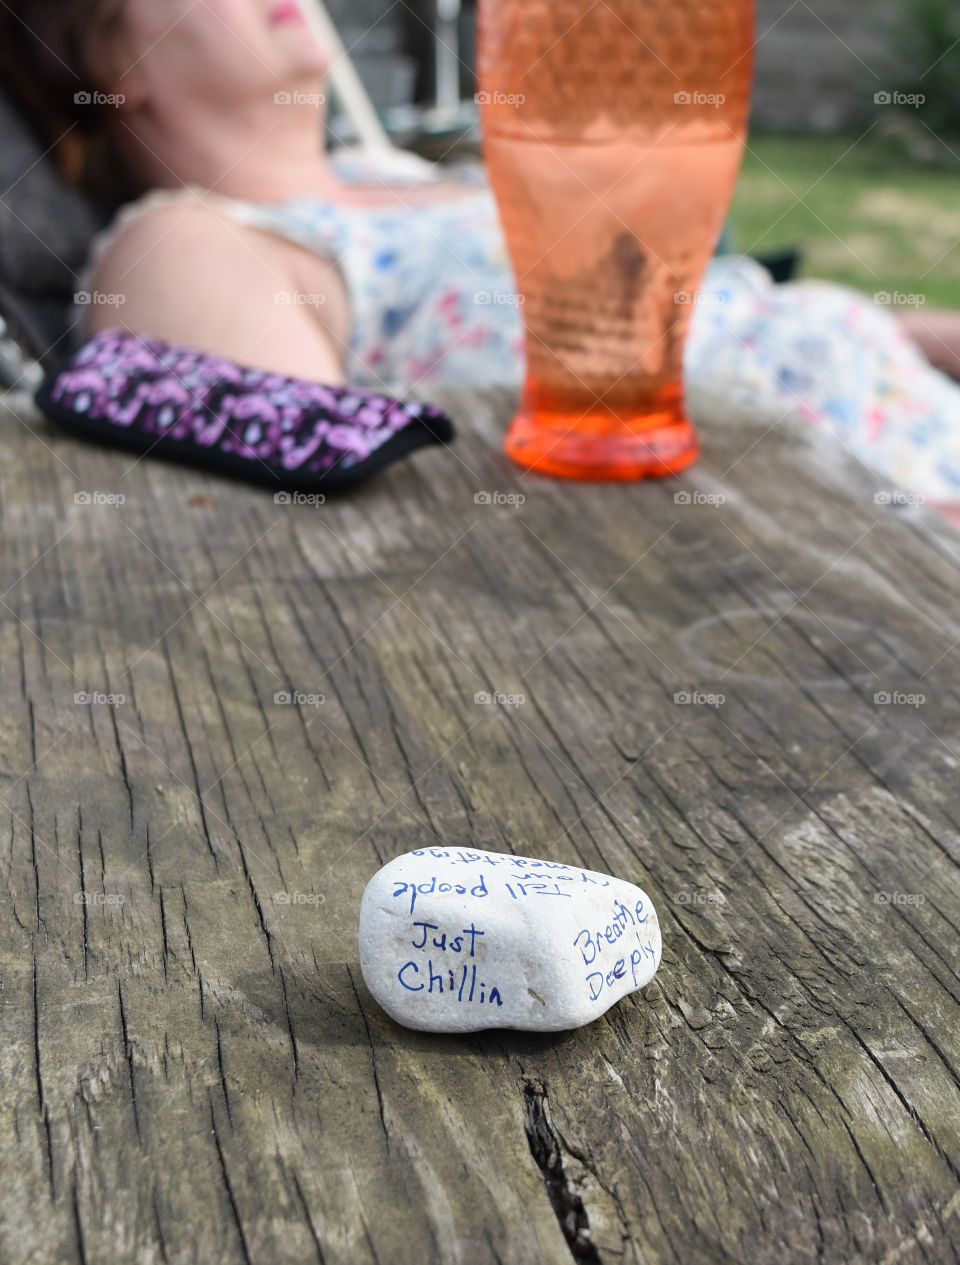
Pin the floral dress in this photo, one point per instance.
(432, 302)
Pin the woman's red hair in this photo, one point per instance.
(45, 71)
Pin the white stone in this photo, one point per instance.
(453, 940)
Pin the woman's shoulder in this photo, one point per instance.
(173, 250)
(148, 220)
(181, 269)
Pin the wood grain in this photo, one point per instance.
(192, 1068)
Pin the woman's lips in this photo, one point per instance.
(286, 11)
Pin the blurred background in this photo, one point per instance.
(850, 174)
(854, 153)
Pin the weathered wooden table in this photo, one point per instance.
(749, 706)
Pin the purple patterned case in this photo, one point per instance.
(152, 397)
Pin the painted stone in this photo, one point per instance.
(454, 940)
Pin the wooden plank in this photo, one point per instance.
(193, 1069)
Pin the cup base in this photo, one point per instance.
(585, 448)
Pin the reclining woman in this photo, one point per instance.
(245, 240)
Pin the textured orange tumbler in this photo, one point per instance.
(613, 132)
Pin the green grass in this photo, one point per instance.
(868, 217)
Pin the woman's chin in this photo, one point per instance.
(309, 56)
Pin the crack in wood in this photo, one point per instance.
(547, 1151)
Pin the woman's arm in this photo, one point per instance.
(938, 336)
(191, 276)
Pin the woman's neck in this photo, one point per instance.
(266, 152)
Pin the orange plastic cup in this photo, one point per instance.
(613, 134)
